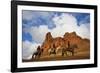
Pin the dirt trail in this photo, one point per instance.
(77, 56)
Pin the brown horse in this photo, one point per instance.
(52, 50)
(70, 48)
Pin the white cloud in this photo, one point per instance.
(83, 31)
(38, 33)
(28, 49)
(64, 23)
(68, 23)
(65, 19)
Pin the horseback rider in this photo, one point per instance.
(37, 53)
(65, 49)
(52, 50)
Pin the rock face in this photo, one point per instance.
(73, 38)
(58, 41)
(48, 37)
(47, 42)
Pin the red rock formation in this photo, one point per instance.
(47, 42)
(72, 37)
(58, 41)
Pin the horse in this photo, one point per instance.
(38, 53)
(35, 55)
(52, 51)
(69, 49)
(64, 51)
(58, 49)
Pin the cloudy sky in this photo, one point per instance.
(35, 24)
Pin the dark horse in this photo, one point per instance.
(52, 50)
(64, 51)
(70, 48)
(38, 53)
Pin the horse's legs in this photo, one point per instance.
(34, 56)
(50, 53)
(66, 53)
(55, 52)
(39, 54)
(63, 53)
(72, 52)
